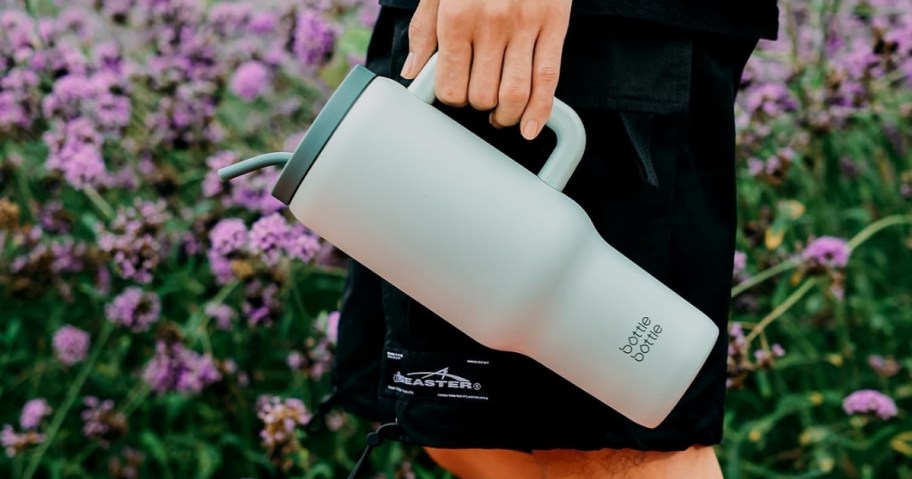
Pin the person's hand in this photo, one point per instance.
(500, 55)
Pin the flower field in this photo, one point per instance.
(155, 322)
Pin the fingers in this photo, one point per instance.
(484, 82)
(454, 60)
(515, 83)
(422, 38)
(501, 56)
(545, 73)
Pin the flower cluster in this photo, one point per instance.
(222, 314)
(884, 367)
(127, 465)
(280, 420)
(19, 82)
(41, 261)
(176, 368)
(313, 38)
(862, 54)
(828, 255)
(826, 252)
(70, 344)
(101, 422)
(270, 240)
(136, 239)
(741, 363)
(866, 401)
(134, 309)
(315, 361)
(14, 442)
(261, 303)
(33, 413)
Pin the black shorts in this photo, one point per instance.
(657, 180)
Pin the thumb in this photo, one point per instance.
(422, 36)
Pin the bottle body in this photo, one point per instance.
(491, 248)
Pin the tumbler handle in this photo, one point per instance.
(566, 124)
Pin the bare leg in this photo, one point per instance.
(486, 463)
(699, 462)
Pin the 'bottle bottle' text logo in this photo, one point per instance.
(642, 339)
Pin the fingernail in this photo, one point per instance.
(492, 122)
(409, 63)
(530, 130)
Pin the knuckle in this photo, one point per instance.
(417, 34)
(482, 101)
(451, 96)
(505, 119)
(514, 93)
(547, 74)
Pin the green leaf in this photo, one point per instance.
(209, 460)
(154, 447)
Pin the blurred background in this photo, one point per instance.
(157, 323)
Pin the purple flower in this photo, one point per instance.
(227, 236)
(280, 419)
(70, 344)
(222, 314)
(778, 350)
(827, 251)
(117, 10)
(136, 239)
(75, 150)
(14, 443)
(885, 367)
(33, 413)
(229, 19)
(302, 244)
(100, 421)
(78, 96)
(295, 360)
(262, 23)
(314, 38)
(176, 368)
(740, 262)
(250, 81)
(869, 401)
(332, 326)
(268, 238)
(134, 309)
(755, 166)
(53, 218)
(255, 192)
(261, 304)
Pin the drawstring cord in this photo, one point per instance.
(388, 431)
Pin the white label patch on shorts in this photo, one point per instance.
(407, 373)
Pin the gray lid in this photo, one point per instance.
(320, 131)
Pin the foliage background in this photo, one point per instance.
(202, 317)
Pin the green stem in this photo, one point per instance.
(137, 396)
(853, 243)
(763, 276)
(876, 226)
(196, 327)
(139, 393)
(98, 201)
(781, 309)
(70, 398)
